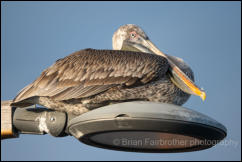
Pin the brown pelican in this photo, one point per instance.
(135, 70)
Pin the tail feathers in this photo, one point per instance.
(24, 103)
(24, 97)
(24, 93)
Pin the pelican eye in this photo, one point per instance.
(133, 35)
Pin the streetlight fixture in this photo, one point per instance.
(147, 127)
(130, 126)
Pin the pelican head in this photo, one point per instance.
(130, 37)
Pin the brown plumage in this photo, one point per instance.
(86, 73)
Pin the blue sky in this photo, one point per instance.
(207, 35)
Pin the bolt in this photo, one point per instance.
(52, 119)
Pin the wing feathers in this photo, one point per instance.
(89, 72)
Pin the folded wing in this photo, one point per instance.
(89, 72)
